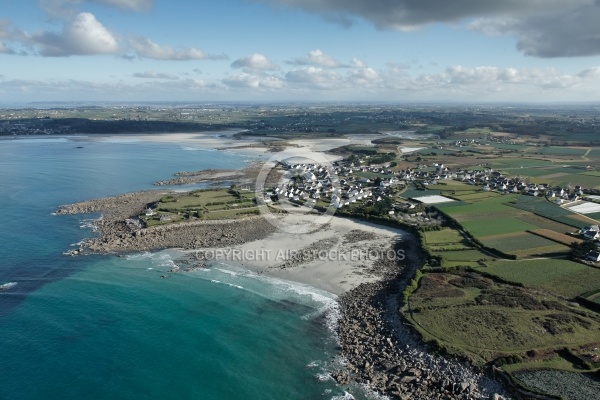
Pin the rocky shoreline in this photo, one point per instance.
(377, 349)
(120, 232)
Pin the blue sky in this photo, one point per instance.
(299, 50)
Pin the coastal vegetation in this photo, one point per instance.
(200, 204)
(505, 213)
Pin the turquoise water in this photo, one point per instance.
(107, 327)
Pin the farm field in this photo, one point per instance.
(453, 248)
(554, 236)
(444, 236)
(523, 244)
(562, 277)
(480, 207)
(561, 150)
(495, 226)
(554, 212)
(466, 255)
(515, 147)
(523, 226)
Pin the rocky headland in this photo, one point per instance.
(119, 229)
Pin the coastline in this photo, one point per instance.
(376, 348)
(327, 259)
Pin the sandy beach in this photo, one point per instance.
(338, 257)
(227, 141)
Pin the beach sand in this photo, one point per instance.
(336, 258)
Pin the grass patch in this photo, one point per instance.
(545, 223)
(495, 226)
(481, 208)
(443, 236)
(562, 277)
(472, 313)
(465, 255)
(232, 214)
(560, 150)
(591, 173)
(510, 243)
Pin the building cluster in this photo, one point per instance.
(489, 180)
(15, 129)
(337, 185)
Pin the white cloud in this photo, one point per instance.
(476, 75)
(247, 80)
(317, 58)
(146, 48)
(317, 78)
(358, 63)
(81, 35)
(393, 83)
(255, 62)
(154, 75)
(492, 78)
(593, 72)
(54, 90)
(363, 77)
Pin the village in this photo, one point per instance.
(345, 184)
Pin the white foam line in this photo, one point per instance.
(8, 285)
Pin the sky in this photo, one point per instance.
(398, 51)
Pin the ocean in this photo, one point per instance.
(108, 327)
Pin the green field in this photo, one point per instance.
(480, 208)
(583, 179)
(501, 221)
(465, 255)
(495, 226)
(563, 277)
(592, 173)
(444, 236)
(524, 243)
(518, 163)
(545, 223)
(560, 150)
(204, 204)
(549, 210)
(467, 313)
(454, 249)
(515, 147)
